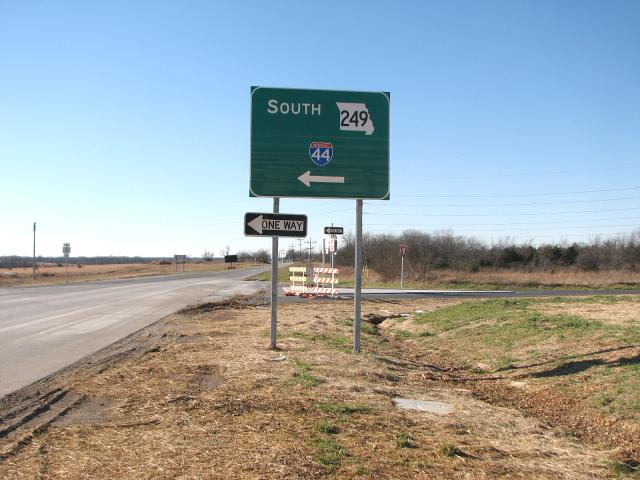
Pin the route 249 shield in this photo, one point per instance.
(321, 153)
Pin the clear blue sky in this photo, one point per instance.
(124, 125)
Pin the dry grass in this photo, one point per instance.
(573, 361)
(511, 278)
(618, 313)
(54, 274)
(210, 401)
(489, 280)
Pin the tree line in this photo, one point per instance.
(445, 250)
(15, 261)
(428, 252)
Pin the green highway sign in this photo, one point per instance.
(319, 143)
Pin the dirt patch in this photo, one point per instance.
(234, 303)
(90, 411)
(217, 408)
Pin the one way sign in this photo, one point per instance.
(275, 225)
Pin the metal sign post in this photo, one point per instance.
(274, 280)
(357, 287)
(66, 250)
(34, 250)
(274, 225)
(333, 242)
(403, 252)
(180, 259)
(332, 255)
(231, 259)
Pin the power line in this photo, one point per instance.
(352, 209)
(566, 202)
(538, 228)
(527, 174)
(509, 223)
(621, 234)
(507, 195)
(494, 214)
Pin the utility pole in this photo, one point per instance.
(300, 242)
(34, 250)
(310, 249)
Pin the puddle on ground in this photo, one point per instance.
(431, 406)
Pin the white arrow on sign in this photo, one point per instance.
(256, 224)
(307, 178)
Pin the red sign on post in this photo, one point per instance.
(403, 250)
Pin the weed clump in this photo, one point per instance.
(324, 426)
(625, 469)
(343, 408)
(329, 452)
(302, 375)
(403, 440)
(451, 450)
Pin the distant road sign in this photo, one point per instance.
(333, 230)
(403, 250)
(180, 258)
(275, 225)
(66, 248)
(231, 259)
(319, 143)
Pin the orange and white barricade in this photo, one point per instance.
(325, 280)
(298, 279)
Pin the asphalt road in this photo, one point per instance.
(396, 293)
(45, 328)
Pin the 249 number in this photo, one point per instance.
(358, 118)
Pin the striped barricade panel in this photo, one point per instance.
(299, 288)
(298, 279)
(325, 280)
(326, 270)
(325, 291)
(296, 289)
